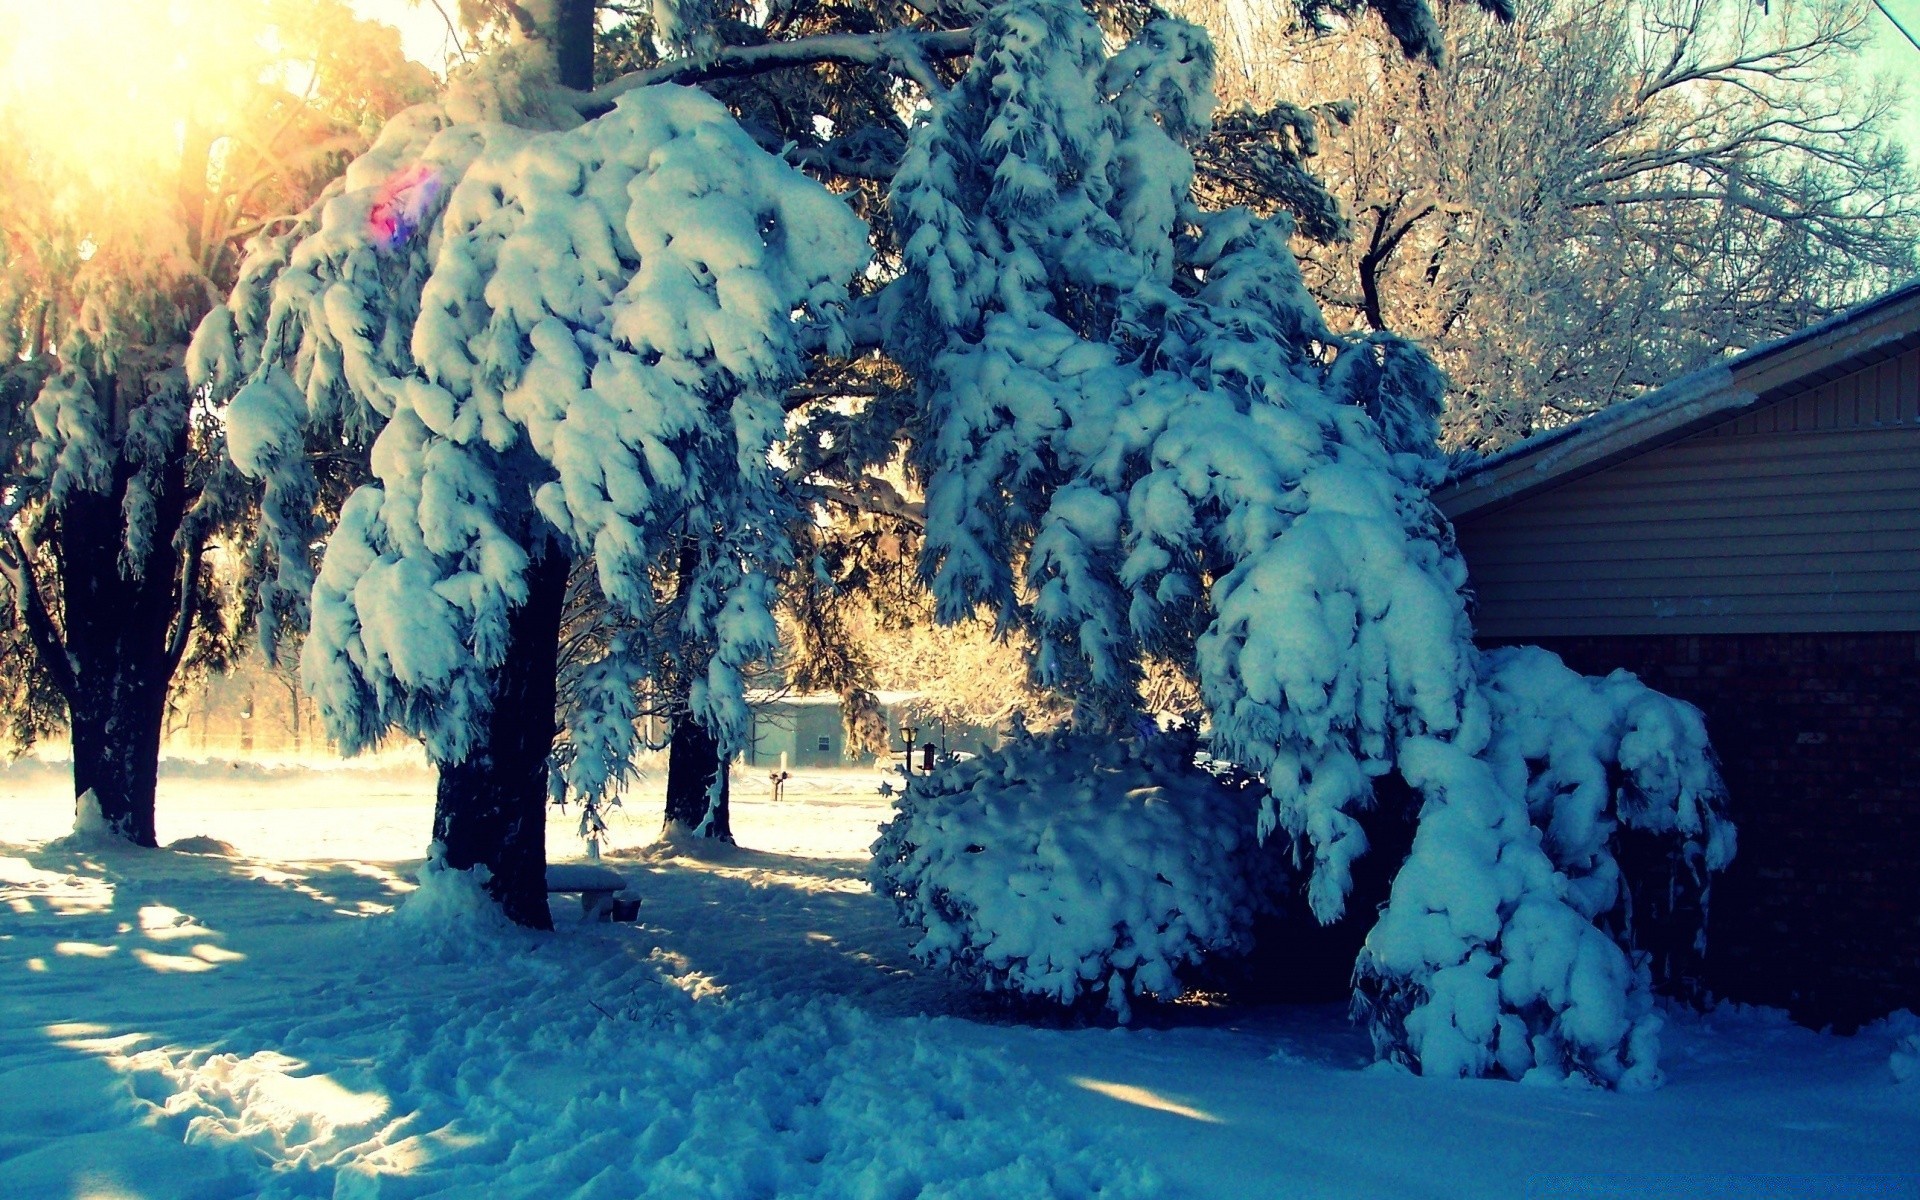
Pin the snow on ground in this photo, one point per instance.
(251, 1022)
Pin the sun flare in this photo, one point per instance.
(114, 88)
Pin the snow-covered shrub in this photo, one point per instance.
(1072, 865)
(1529, 961)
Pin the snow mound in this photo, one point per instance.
(201, 843)
(88, 820)
(91, 829)
(450, 913)
(1069, 865)
(1904, 1062)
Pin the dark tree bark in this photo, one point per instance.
(693, 761)
(693, 756)
(122, 641)
(573, 43)
(491, 810)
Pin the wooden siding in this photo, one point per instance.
(1803, 516)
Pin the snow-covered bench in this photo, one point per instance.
(597, 885)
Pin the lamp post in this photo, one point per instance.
(907, 733)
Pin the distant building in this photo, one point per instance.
(807, 731)
(1748, 538)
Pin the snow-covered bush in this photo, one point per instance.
(1071, 865)
(1515, 947)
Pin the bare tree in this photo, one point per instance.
(1577, 205)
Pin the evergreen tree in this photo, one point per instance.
(564, 337)
(129, 181)
(1138, 436)
(1137, 439)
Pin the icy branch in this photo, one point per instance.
(875, 496)
(910, 53)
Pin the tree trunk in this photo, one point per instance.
(118, 641)
(491, 810)
(573, 43)
(693, 756)
(693, 761)
(116, 745)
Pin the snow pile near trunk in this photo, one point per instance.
(90, 826)
(88, 820)
(450, 913)
(1071, 865)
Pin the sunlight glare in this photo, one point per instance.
(84, 949)
(111, 88)
(162, 923)
(171, 964)
(1128, 1093)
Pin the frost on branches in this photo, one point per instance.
(573, 333)
(1137, 405)
(1074, 865)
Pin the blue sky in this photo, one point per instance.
(1893, 53)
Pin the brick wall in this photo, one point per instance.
(1819, 736)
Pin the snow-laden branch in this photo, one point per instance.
(906, 52)
(875, 496)
(16, 566)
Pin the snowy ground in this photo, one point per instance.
(253, 1023)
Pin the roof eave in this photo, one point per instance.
(1687, 405)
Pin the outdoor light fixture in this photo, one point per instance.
(907, 733)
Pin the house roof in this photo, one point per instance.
(1845, 342)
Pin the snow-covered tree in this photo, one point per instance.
(564, 338)
(1075, 866)
(127, 180)
(1139, 437)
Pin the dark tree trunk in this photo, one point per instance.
(573, 43)
(693, 761)
(491, 810)
(693, 756)
(120, 643)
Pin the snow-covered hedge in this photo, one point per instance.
(1072, 865)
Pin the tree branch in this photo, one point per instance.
(875, 496)
(189, 606)
(16, 565)
(905, 52)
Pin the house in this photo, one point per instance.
(1747, 538)
(806, 730)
